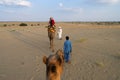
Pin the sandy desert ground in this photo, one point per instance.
(95, 56)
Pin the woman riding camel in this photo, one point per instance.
(51, 22)
(51, 32)
(51, 25)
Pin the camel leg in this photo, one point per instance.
(52, 45)
(52, 42)
(51, 38)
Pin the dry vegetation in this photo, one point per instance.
(5, 24)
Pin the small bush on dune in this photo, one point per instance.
(38, 24)
(31, 24)
(23, 24)
(13, 24)
(5, 25)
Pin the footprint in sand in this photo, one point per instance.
(37, 68)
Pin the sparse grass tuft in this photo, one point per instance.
(81, 40)
(100, 64)
(117, 56)
(46, 26)
(12, 30)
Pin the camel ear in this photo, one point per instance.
(44, 59)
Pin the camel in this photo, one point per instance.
(54, 65)
(51, 36)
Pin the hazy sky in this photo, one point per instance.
(60, 10)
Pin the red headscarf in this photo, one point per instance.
(51, 22)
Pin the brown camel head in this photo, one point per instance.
(54, 66)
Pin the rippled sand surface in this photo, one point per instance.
(95, 55)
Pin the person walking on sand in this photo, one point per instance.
(67, 49)
(59, 33)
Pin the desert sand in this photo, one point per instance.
(95, 55)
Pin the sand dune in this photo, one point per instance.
(95, 56)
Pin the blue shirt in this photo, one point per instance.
(67, 46)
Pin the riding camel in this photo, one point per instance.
(51, 36)
(54, 65)
(51, 32)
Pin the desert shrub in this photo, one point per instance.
(23, 24)
(31, 24)
(5, 25)
(13, 24)
(38, 24)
